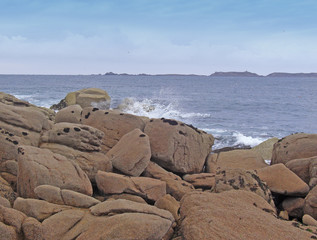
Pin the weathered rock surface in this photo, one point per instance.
(233, 215)
(112, 123)
(126, 196)
(148, 188)
(4, 202)
(201, 180)
(265, 148)
(240, 159)
(64, 197)
(240, 179)
(32, 229)
(178, 147)
(38, 209)
(310, 206)
(294, 206)
(309, 220)
(6, 191)
(80, 143)
(300, 145)
(175, 186)
(170, 204)
(12, 217)
(305, 168)
(131, 154)
(85, 98)
(283, 181)
(42, 167)
(70, 114)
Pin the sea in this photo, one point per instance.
(237, 111)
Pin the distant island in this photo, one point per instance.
(224, 74)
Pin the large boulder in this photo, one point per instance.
(148, 188)
(80, 143)
(178, 147)
(43, 167)
(240, 159)
(131, 154)
(240, 179)
(300, 145)
(283, 181)
(175, 186)
(85, 98)
(305, 168)
(113, 124)
(71, 114)
(233, 215)
(310, 206)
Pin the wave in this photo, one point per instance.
(247, 140)
(153, 109)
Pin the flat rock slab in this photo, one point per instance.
(43, 167)
(131, 154)
(148, 188)
(233, 215)
(201, 180)
(281, 180)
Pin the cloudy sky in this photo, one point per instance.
(157, 36)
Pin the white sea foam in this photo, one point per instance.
(153, 109)
(247, 140)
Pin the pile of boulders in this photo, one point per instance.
(89, 172)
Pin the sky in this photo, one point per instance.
(157, 36)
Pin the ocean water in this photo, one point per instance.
(237, 111)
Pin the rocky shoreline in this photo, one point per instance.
(88, 172)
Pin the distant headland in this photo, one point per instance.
(225, 74)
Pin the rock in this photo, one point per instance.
(42, 167)
(310, 206)
(12, 217)
(80, 143)
(32, 229)
(7, 232)
(283, 215)
(265, 148)
(240, 159)
(4, 202)
(283, 181)
(38, 209)
(175, 186)
(294, 206)
(113, 124)
(148, 188)
(201, 180)
(170, 204)
(296, 146)
(6, 191)
(70, 114)
(240, 179)
(126, 196)
(305, 168)
(132, 153)
(24, 123)
(119, 206)
(233, 215)
(85, 98)
(64, 197)
(178, 147)
(308, 220)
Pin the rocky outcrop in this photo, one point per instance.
(131, 154)
(296, 146)
(80, 143)
(113, 124)
(178, 147)
(148, 188)
(240, 179)
(265, 148)
(43, 167)
(239, 159)
(175, 186)
(85, 98)
(305, 168)
(233, 215)
(281, 180)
